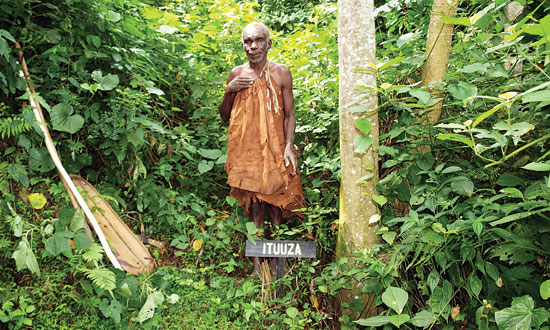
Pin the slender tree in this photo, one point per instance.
(358, 212)
(438, 47)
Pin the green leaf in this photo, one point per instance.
(405, 38)
(398, 320)
(465, 21)
(111, 310)
(18, 172)
(82, 241)
(510, 180)
(361, 144)
(24, 257)
(147, 311)
(379, 199)
(456, 137)
(425, 161)
(423, 319)
(364, 125)
(474, 284)
(462, 90)
(539, 167)
(292, 312)
(491, 270)
(538, 96)
(422, 96)
(389, 237)
(40, 160)
(64, 120)
(101, 277)
(477, 226)
(512, 192)
(94, 254)
(475, 67)
(391, 62)
(395, 298)
(358, 108)
(374, 321)
(58, 244)
(251, 228)
(210, 153)
(106, 83)
(462, 186)
(433, 280)
(205, 166)
(521, 315)
(77, 221)
(545, 289)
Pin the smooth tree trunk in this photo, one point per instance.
(438, 47)
(356, 48)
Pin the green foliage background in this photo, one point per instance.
(131, 92)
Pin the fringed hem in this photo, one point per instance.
(245, 198)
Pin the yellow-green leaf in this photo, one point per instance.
(37, 200)
(197, 244)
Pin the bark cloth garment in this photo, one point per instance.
(255, 148)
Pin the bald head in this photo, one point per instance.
(257, 25)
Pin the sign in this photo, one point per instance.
(281, 249)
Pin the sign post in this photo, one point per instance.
(281, 250)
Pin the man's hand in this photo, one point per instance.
(290, 158)
(238, 84)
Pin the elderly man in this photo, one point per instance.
(261, 162)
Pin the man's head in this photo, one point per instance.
(256, 42)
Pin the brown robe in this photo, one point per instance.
(255, 148)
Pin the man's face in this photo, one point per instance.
(255, 44)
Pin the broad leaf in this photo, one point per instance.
(521, 315)
(147, 311)
(64, 120)
(364, 125)
(58, 244)
(205, 166)
(540, 167)
(545, 289)
(374, 321)
(423, 319)
(395, 298)
(24, 257)
(463, 186)
(361, 144)
(538, 96)
(462, 90)
(111, 310)
(425, 161)
(398, 320)
(37, 200)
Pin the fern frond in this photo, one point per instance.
(94, 253)
(101, 277)
(13, 126)
(4, 183)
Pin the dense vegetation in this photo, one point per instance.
(131, 91)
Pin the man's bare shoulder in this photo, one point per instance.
(279, 69)
(236, 71)
(282, 75)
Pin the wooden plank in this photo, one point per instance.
(281, 249)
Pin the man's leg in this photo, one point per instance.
(257, 215)
(275, 215)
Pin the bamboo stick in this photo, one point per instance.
(53, 153)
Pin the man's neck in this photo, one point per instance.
(258, 67)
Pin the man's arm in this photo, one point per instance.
(289, 122)
(234, 84)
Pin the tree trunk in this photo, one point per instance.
(438, 47)
(356, 48)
